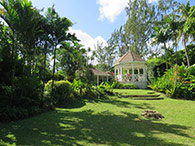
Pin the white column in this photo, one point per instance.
(121, 72)
(115, 72)
(133, 76)
(107, 78)
(97, 80)
(144, 73)
(128, 74)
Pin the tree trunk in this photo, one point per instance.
(166, 62)
(13, 70)
(54, 63)
(176, 68)
(44, 69)
(187, 57)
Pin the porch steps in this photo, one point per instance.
(148, 96)
(141, 95)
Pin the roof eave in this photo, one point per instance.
(143, 62)
(102, 75)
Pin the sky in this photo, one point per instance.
(94, 20)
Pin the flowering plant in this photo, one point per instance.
(112, 73)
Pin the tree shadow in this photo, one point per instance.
(72, 104)
(63, 127)
(127, 104)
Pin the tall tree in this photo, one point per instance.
(59, 27)
(71, 58)
(185, 35)
(23, 22)
(120, 41)
(100, 53)
(141, 17)
(105, 56)
(136, 32)
(189, 26)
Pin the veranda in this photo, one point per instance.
(131, 68)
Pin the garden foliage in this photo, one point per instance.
(61, 92)
(29, 41)
(177, 82)
(117, 85)
(157, 66)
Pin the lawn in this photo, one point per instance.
(111, 121)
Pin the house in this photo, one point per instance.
(131, 68)
(100, 75)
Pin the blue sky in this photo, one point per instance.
(94, 20)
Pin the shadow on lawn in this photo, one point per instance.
(126, 104)
(65, 128)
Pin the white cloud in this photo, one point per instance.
(152, 1)
(87, 41)
(110, 9)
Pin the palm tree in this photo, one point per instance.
(189, 26)
(59, 27)
(10, 17)
(25, 24)
(184, 11)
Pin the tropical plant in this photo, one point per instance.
(183, 21)
(28, 40)
(59, 27)
(181, 82)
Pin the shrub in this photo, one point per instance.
(106, 88)
(117, 85)
(60, 75)
(28, 90)
(61, 92)
(156, 68)
(191, 70)
(129, 86)
(105, 85)
(13, 113)
(77, 86)
(183, 88)
(22, 101)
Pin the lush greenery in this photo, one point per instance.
(162, 26)
(117, 85)
(165, 74)
(60, 93)
(36, 50)
(111, 121)
(105, 56)
(177, 82)
(43, 66)
(157, 66)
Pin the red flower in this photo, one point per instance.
(128, 75)
(112, 73)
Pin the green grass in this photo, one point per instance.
(113, 121)
(134, 91)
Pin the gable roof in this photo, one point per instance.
(99, 72)
(129, 57)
